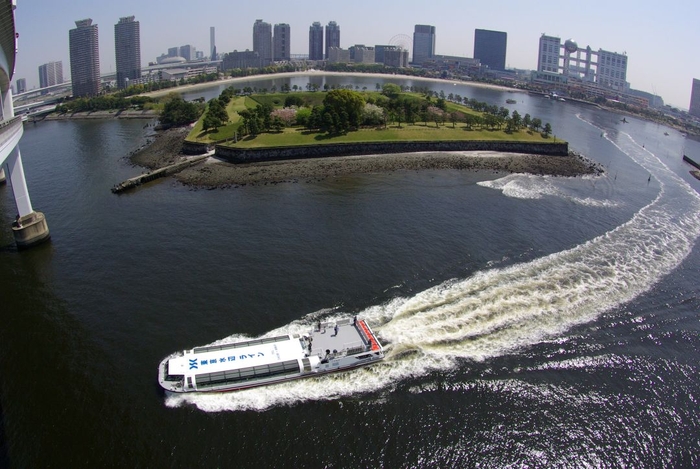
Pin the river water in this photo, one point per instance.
(529, 321)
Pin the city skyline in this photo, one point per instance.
(656, 37)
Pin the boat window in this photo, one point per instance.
(245, 374)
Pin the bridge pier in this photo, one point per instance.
(30, 227)
(3, 180)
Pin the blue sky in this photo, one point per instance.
(660, 38)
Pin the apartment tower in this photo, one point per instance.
(332, 36)
(84, 59)
(262, 41)
(127, 48)
(316, 41)
(281, 42)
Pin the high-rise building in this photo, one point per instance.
(127, 48)
(612, 70)
(21, 85)
(212, 43)
(316, 41)
(187, 52)
(332, 36)
(262, 41)
(281, 39)
(423, 43)
(490, 48)
(695, 99)
(50, 74)
(173, 51)
(548, 55)
(85, 59)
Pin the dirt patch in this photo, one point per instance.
(162, 149)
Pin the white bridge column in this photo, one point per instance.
(30, 228)
(15, 172)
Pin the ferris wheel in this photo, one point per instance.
(403, 41)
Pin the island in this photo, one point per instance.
(262, 138)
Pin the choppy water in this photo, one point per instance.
(529, 321)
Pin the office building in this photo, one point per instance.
(262, 41)
(394, 56)
(423, 43)
(490, 48)
(187, 52)
(695, 99)
(548, 56)
(316, 41)
(557, 63)
(242, 60)
(50, 74)
(612, 70)
(282, 42)
(21, 85)
(85, 59)
(173, 52)
(212, 43)
(127, 48)
(332, 36)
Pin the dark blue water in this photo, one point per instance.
(529, 321)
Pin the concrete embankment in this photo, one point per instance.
(255, 155)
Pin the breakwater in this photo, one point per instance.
(158, 173)
(254, 155)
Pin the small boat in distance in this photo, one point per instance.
(331, 347)
(511, 101)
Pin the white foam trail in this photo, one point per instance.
(530, 186)
(497, 311)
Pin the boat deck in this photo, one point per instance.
(348, 334)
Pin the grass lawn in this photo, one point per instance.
(236, 104)
(295, 136)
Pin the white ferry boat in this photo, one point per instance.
(330, 347)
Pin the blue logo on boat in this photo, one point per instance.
(193, 364)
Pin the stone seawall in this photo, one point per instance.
(194, 148)
(254, 155)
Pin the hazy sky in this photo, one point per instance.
(659, 37)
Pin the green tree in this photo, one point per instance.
(547, 129)
(391, 90)
(177, 111)
(350, 102)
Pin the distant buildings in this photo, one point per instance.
(394, 56)
(694, 98)
(84, 59)
(262, 41)
(21, 85)
(490, 48)
(332, 36)
(281, 42)
(423, 43)
(50, 74)
(245, 59)
(316, 41)
(127, 47)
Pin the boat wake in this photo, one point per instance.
(497, 311)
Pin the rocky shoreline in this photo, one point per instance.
(166, 149)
